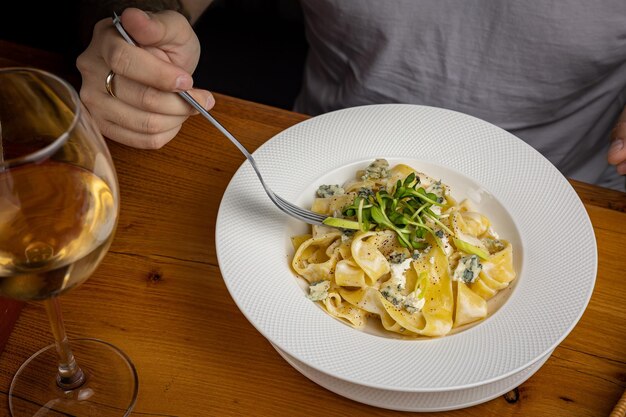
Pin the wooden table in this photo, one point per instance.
(160, 297)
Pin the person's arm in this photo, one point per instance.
(617, 151)
(141, 109)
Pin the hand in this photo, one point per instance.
(617, 151)
(145, 113)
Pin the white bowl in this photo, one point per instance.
(528, 200)
(416, 401)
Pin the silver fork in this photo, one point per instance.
(287, 207)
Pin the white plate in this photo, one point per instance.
(416, 401)
(524, 195)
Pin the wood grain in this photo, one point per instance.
(160, 297)
(9, 312)
(601, 197)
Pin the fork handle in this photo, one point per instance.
(187, 97)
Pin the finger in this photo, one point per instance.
(103, 106)
(617, 150)
(152, 100)
(164, 65)
(167, 34)
(157, 29)
(142, 66)
(94, 71)
(138, 120)
(136, 139)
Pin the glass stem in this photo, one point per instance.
(70, 375)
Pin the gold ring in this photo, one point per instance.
(108, 83)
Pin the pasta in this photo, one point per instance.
(399, 249)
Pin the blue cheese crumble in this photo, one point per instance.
(445, 242)
(468, 269)
(397, 257)
(417, 253)
(329, 190)
(393, 288)
(376, 170)
(318, 291)
(438, 189)
(414, 302)
(493, 245)
(365, 192)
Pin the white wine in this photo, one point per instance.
(57, 221)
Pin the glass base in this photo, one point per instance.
(110, 387)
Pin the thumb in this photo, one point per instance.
(157, 29)
(203, 97)
(166, 34)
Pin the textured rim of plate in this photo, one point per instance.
(551, 293)
(416, 401)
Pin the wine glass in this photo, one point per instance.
(59, 205)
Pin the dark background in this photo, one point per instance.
(251, 49)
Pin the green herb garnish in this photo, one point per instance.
(406, 212)
(471, 249)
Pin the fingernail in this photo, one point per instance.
(617, 145)
(184, 82)
(210, 102)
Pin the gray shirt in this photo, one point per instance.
(552, 72)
